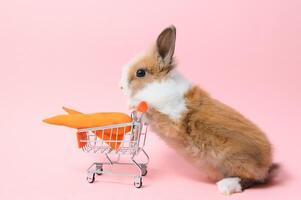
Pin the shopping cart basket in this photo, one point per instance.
(114, 141)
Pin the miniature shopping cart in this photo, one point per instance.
(115, 141)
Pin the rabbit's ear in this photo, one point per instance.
(166, 44)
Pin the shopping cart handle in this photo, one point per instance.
(142, 107)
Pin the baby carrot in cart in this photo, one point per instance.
(78, 120)
(89, 120)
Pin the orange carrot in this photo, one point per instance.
(71, 111)
(89, 120)
(78, 120)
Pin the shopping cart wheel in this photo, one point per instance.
(99, 170)
(91, 179)
(138, 183)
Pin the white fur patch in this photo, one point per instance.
(124, 82)
(229, 186)
(166, 96)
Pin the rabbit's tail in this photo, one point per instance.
(272, 173)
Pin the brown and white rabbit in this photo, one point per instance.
(232, 151)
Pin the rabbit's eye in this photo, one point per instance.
(140, 73)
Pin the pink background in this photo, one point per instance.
(70, 52)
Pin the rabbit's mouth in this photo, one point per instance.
(125, 91)
(123, 84)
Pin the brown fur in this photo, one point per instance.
(150, 63)
(158, 62)
(216, 138)
(211, 135)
